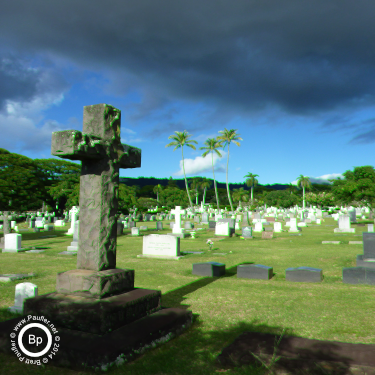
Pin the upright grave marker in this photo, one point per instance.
(97, 284)
(102, 154)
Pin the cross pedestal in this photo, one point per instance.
(96, 307)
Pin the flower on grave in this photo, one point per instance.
(210, 243)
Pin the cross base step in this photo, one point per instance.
(80, 350)
(99, 284)
(92, 315)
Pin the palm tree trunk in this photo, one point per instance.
(252, 194)
(213, 171)
(303, 197)
(186, 184)
(230, 200)
(204, 196)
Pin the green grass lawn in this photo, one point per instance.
(223, 307)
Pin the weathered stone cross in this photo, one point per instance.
(102, 154)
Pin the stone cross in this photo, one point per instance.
(73, 216)
(102, 154)
(178, 212)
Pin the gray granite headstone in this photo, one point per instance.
(120, 228)
(212, 225)
(188, 225)
(304, 274)
(368, 246)
(209, 269)
(247, 232)
(358, 275)
(353, 217)
(132, 224)
(254, 271)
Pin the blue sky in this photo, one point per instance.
(296, 79)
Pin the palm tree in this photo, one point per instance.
(157, 189)
(211, 145)
(181, 139)
(240, 194)
(251, 181)
(196, 184)
(303, 181)
(228, 136)
(205, 184)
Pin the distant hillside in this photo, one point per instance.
(144, 181)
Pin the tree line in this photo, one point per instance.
(28, 184)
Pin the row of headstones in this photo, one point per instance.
(351, 275)
(214, 269)
(364, 274)
(355, 275)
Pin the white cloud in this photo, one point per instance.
(201, 165)
(322, 179)
(19, 132)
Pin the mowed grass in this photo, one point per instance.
(224, 307)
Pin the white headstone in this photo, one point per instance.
(12, 243)
(222, 229)
(344, 224)
(293, 225)
(258, 227)
(59, 223)
(23, 291)
(135, 231)
(277, 227)
(161, 246)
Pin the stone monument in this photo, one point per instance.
(96, 305)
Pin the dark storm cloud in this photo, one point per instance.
(16, 83)
(302, 56)
(20, 83)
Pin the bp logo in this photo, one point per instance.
(34, 342)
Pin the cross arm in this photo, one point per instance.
(75, 145)
(129, 157)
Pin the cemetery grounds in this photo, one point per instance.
(223, 307)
